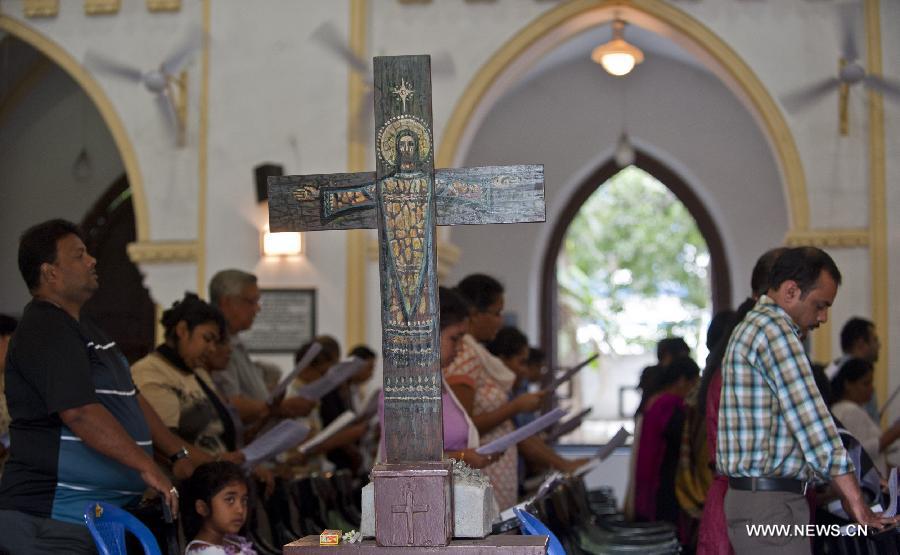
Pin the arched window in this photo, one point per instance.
(634, 259)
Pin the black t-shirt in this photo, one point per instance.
(57, 363)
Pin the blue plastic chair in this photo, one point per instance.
(108, 523)
(531, 526)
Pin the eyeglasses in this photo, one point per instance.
(250, 300)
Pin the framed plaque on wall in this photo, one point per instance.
(286, 320)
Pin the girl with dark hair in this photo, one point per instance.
(657, 455)
(851, 389)
(511, 346)
(214, 509)
(173, 380)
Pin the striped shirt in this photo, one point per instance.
(57, 363)
(772, 419)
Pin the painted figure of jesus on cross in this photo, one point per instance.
(404, 199)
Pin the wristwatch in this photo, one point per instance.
(178, 455)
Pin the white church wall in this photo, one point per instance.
(469, 31)
(275, 96)
(789, 45)
(854, 296)
(40, 141)
(567, 117)
(890, 18)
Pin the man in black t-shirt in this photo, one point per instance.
(80, 430)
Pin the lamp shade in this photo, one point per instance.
(617, 56)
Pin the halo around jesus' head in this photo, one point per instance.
(387, 137)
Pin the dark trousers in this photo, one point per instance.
(746, 509)
(24, 534)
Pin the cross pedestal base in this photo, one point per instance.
(413, 504)
(515, 545)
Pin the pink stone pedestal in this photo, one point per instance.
(502, 544)
(413, 505)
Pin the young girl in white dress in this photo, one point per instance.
(214, 508)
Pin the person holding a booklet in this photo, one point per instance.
(236, 294)
(657, 454)
(461, 438)
(173, 380)
(342, 399)
(851, 390)
(301, 462)
(481, 382)
(510, 345)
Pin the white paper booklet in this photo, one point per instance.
(604, 452)
(570, 373)
(568, 425)
(891, 510)
(304, 361)
(504, 442)
(369, 407)
(281, 437)
(335, 376)
(336, 426)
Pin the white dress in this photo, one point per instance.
(232, 545)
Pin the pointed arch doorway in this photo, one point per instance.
(665, 273)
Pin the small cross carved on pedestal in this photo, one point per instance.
(410, 509)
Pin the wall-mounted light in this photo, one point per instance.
(282, 244)
(617, 56)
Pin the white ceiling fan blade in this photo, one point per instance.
(362, 131)
(182, 55)
(442, 64)
(328, 36)
(164, 103)
(112, 67)
(849, 22)
(884, 86)
(805, 96)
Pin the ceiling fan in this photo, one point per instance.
(168, 82)
(328, 36)
(850, 73)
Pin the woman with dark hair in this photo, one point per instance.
(461, 437)
(657, 456)
(482, 382)
(173, 380)
(511, 347)
(851, 389)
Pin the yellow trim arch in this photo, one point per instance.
(71, 66)
(569, 19)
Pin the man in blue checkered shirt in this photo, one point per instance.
(775, 434)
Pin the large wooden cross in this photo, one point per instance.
(404, 199)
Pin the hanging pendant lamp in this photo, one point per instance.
(617, 56)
